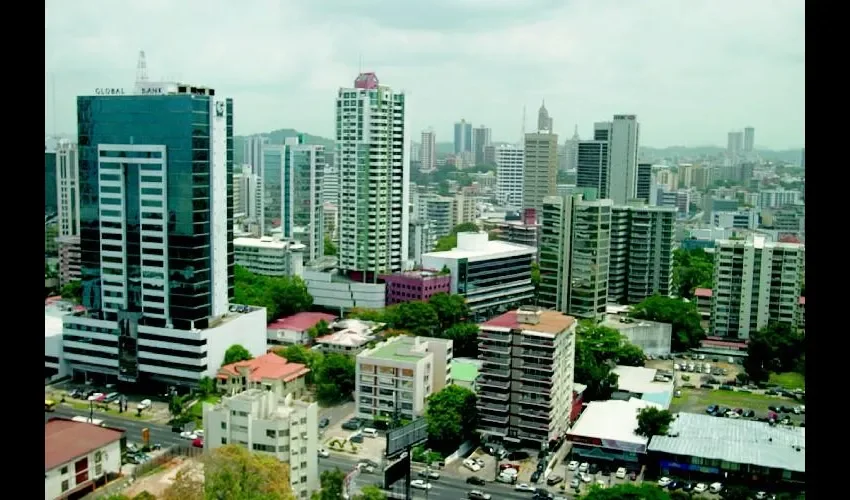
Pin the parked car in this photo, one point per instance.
(112, 396)
(600, 483)
(633, 476)
(324, 453)
(749, 414)
(674, 485)
(429, 474)
(198, 442)
(583, 467)
(420, 484)
(364, 467)
(324, 422)
(191, 436)
(621, 473)
(477, 481)
(700, 488)
(351, 425)
(593, 469)
(356, 438)
(554, 479)
(664, 481)
(586, 478)
(524, 487)
(687, 487)
(573, 465)
(471, 465)
(508, 466)
(535, 476)
(518, 455)
(574, 483)
(716, 487)
(478, 495)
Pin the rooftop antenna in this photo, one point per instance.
(53, 104)
(522, 135)
(141, 69)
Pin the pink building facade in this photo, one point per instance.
(415, 285)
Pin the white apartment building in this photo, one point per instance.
(510, 161)
(371, 156)
(428, 151)
(493, 276)
(331, 221)
(248, 194)
(740, 219)
(76, 455)
(263, 422)
(755, 282)
(525, 384)
(397, 376)
(439, 211)
(269, 257)
(767, 198)
(68, 189)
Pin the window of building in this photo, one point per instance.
(63, 470)
(224, 425)
(65, 486)
(98, 470)
(98, 457)
(271, 433)
(224, 440)
(303, 479)
(283, 449)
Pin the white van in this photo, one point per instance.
(715, 487)
(370, 432)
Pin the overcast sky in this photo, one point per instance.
(692, 70)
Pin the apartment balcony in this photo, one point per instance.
(534, 426)
(494, 336)
(538, 353)
(491, 419)
(542, 437)
(496, 396)
(494, 431)
(495, 383)
(527, 340)
(494, 348)
(499, 409)
(490, 372)
(534, 413)
(546, 367)
(531, 377)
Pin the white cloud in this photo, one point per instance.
(691, 70)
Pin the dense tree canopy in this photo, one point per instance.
(627, 491)
(233, 472)
(371, 492)
(235, 354)
(692, 269)
(330, 248)
(281, 296)
(464, 337)
(334, 378)
(775, 348)
(73, 290)
(417, 317)
(682, 315)
(297, 353)
(449, 241)
(452, 417)
(332, 483)
(450, 309)
(653, 421)
(598, 349)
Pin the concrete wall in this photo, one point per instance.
(110, 460)
(343, 294)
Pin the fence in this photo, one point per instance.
(144, 469)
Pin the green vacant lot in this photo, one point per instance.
(790, 380)
(696, 400)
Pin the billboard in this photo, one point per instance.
(396, 471)
(402, 438)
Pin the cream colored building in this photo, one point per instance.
(269, 257)
(541, 169)
(263, 422)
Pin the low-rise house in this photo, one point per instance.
(78, 457)
(268, 372)
(348, 336)
(295, 329)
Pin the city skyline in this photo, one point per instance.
(726, 76)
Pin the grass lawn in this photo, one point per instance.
(197, 409)
(112, 411)
(789, 380)
(696, 400)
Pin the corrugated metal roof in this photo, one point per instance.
(738, 441)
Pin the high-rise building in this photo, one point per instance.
(749, 139)
(68, 189)
(374, 179)
(51, 197)
(609, 162)
(641, 254)
(274, 175)
(540, 172)
(480, 140)
(643, 189)
(428, 151)
(571, 151)
(303, 209)
(250, 200)
(574, 251)
(253, 153)
(509, 175)
(415, 152)
(330, 182)
(734, 146)
(803, 158)
(544, 121)
(463, 137)
(755, 282)
(525, 385)
(156, 220)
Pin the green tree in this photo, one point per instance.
(464, 337)
(608, 345)
(298, 353)
(365, 314)
(371, 492)
(235, 354)
(331, 482)
(417, 317)
(449, 241)
(601, 382)
(683, 316)
(653, 421)
(645, 491)
(281, 296)
(334, 378)
(631, 355)
(330, 248)
(450, 309)
(535, 278)
(322, 328)
(206, 386)
(774, 348)
(175, 406)
(692, 269)
(452, 417)
(73, 291)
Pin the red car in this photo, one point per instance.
(198, 443)
(509, 466)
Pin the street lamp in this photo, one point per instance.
(91, 409)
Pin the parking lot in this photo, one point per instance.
(157, 412)
(697, 400)
(372, 448)
(720, 369)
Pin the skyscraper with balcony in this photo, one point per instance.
(574, 255)
(371, 156)
(609, 162)
(755, 282)
(428, 151)
(156, 231)
(510, 161)
(526, 379)
(641, 255)
(480, 140)
(463, 137)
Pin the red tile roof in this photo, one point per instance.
(552, 322)
(802, 301)
(301, 321)
(703, 292)
(65, 440)
(267, 366)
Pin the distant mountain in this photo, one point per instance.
(277, 137)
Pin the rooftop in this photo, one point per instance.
(402, 348)
(267, 242)
(267, 366)
(703, 292)
(464, 371)
(345, 338)
(476, 246)
(420, 273)
(551, 322)
(612, 420)
(65, 440)
(616, 321)
(737, 441)
(640, 380)
(302, 321)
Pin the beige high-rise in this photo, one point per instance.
(541, 169)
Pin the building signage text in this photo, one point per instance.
(108, 91)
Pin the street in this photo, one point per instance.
(447, 487)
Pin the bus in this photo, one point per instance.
(87, 420)
(49, 405)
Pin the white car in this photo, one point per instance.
(364, 467)
(199, 432)
(189, 435)
(586, 478)
(732, 414)
(523, 487)
(583, 467)
(761, 495)
(621, 473)
(471, 465)
(700, 488)
(430, 474)
(419, 484)
(600, 483)
(572, 465)
(324, 453)
(715, 487)
(664, 481)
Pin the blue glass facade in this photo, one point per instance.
(182, 124)
(51, 204)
